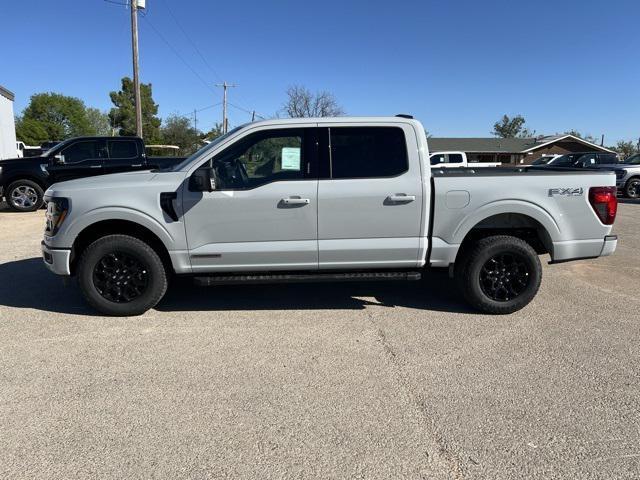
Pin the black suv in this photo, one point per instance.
(24, 180)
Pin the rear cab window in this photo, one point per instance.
(367, 152)
(123, 149)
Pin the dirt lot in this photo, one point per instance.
(321, 381)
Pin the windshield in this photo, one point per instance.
(57, 147)
(203, 150)
(633, 159)
(542, 161)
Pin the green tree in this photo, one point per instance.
(98, 121)
(59, 115)
(587, 137)
(212, 134)
(30, 131)
(123, 115)
(177, 130)
(514, 127)
(626, 149)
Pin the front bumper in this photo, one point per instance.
(58, 260)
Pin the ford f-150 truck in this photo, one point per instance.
(24, 180)
(323, 199)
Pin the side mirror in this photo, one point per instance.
(203, 180)
(59, 159)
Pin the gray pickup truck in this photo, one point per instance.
(323, 199)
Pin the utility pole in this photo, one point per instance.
(136, 75)
(253, 116)
(195, 120)
(225, 85)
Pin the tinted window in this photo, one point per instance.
(607, 158)
(366, 152)
(437, 159)
(587, 160)
(79, 151)
(455, 158)
(123, 149)
(262, 158)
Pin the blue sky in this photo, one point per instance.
(455, 65)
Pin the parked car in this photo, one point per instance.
(24, 180)
(456, 159)
(628, 176)
(545, 159)
(23, 150)
(584, 160)
(323, 199)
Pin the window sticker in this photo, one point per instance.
(291, 158)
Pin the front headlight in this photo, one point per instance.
(57, 211)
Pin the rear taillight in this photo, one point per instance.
(605, 203)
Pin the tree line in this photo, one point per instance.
(52, 116)
(514, 127)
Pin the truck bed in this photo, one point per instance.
(553, 201)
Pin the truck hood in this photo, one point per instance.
(125, 182)
(22, 161)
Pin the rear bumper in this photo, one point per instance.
(58, 260)
(579, 249)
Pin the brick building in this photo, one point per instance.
(514, 151)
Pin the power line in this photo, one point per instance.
(193, 44)
(250, 112)
(204, 82)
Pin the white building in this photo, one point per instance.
(8, 147)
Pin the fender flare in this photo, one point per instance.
(498, 207)
(92, 217)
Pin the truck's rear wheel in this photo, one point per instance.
(24, 196)
(121, 275)
(499, 274)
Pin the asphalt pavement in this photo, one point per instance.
(355, 380)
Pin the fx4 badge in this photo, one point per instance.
(566, 192)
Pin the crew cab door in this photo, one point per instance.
(370, 198)
(83, 158)
(124, 156)
(262, 214)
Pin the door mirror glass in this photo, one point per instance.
(203, 180)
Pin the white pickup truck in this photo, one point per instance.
(323, 199)
(456, 160)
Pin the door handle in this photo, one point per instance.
(401, 198)
(137, 165)
(96, 166)
(296, 201)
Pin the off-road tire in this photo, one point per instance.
(155, 275)
(35, 191)
(475, 257)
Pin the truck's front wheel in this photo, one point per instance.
(499, 274)
(24, 196)
(121, 275)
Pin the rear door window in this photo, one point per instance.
(123, 149)
(367, 152)
(455, 158)
(438, 158)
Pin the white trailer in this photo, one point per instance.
(8, 146)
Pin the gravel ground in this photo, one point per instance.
(321, 381)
